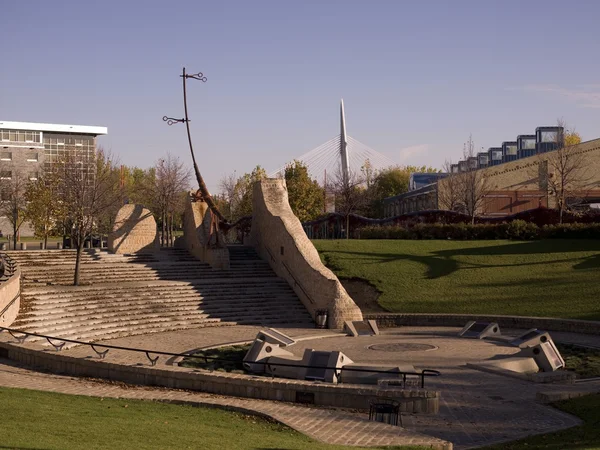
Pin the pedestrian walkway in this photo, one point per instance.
(326, 425)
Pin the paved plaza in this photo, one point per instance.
(477, 408)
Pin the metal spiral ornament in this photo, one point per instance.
(170, 120)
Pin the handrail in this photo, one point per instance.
(298, 283)
(291, 275)
(424, 372)
(10, 303)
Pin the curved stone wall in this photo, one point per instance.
(279, 238)
(200, 238)
(134, 231)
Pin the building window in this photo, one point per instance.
(20, 136)
(497, 155)
(511, 149)
(33, 176)
(5, 175)
(32, 157)
(6, 156)
(549, 136)
(528, 144)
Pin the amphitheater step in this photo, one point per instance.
(123, 295)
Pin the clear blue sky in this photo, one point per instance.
(416, 77)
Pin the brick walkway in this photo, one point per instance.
(326, 425)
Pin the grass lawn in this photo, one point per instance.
(555, 278)
(43, 420)
(586, 436)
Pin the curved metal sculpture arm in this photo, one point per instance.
(202, 185)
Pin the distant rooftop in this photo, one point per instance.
(54, 127)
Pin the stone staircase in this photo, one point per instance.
(124, 295)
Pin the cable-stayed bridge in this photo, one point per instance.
(342, 155)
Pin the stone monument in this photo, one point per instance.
(134, 231)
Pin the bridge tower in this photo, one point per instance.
(344, 146)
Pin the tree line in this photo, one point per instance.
(362, 193)
(79, 193)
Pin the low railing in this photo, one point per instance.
(21, 336)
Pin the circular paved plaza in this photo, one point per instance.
(477, 408)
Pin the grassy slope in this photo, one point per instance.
(43, 420)
(557, 278)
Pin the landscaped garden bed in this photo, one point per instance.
(584, 361)
(222, 359)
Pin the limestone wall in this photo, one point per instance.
(134, 231)
(279, 238)
(200, 239)
(10, 299)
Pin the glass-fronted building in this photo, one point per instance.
(526, 145)
(483, 159)
(419, 179)
(495, 156)
(509, 151)
(547, 138)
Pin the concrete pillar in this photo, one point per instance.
(23, 245)
(3, 246)
(42, 246)
(59, 245)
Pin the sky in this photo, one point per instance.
(417, 77)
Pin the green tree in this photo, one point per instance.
(390, 182)
(305, 195)
(243, 190)
(43, 205)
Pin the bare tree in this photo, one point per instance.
(473, 185)
(230, 192)
(350, 195)
(171, 180)
(449, 189)
(564, 172)
(89, 187)
(13, 203)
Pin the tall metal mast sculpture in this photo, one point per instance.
(203, 190)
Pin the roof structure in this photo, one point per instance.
(54, 127)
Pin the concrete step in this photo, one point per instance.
(51, 312)
(124, 295)
(108, 318)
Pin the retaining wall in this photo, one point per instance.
(222, 383)
(390, 320)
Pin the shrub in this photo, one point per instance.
(521, 230)
(517, 230)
